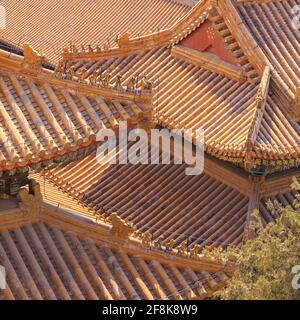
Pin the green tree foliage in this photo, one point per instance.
(264, 263)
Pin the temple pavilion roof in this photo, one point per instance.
(239, 84)
(51, 254)
(86, 22)
(211, 209)
(124, 231)
(43, 117)
(238, 81)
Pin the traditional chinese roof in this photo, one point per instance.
(159, 199)
(236, 96)
(55, 255)
(211, 209)
(223, 77)
(43, 117)
(271, 24)
(230, 67)
(86, 22)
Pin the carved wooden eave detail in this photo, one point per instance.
(296, 105)
(210, 62)
(259, 105)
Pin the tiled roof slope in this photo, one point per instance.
(278, 138)
(160, 199)
(164, 201)
(43, 117)
(60, 198)
(240, 121)
(187, 96)
(69, 259)
(50, 25)
(271, 25)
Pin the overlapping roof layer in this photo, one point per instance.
(67, 258)
(240, 84)
(50, 25)
(159, 199)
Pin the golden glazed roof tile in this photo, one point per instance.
(271, 24)
(43, 117)
(47, 263)
(159, 199)
(189, 96)
(54, 24)
(56, 255)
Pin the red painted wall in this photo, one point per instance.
(206, 39)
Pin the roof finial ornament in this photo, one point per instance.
(158, 242)
(31, 200)
(98, 49)
(121, 228)
(81, 74)
(170, 245)
(132, 84)
(105, 79)
(195, 250)
(33, 61)
(73, 48)
(123, 40)
(70, 73)
(146, 85)
(118, 85)
(182, 249)
(93, 78)
(146, 239)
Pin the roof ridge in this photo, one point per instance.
(67, 137)
(35, 70)
(210, 62)
(189, 3)
(113, 231)
(126, 45)
(239, 30)
(143, 247)
(259, 107)
(249, 45)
